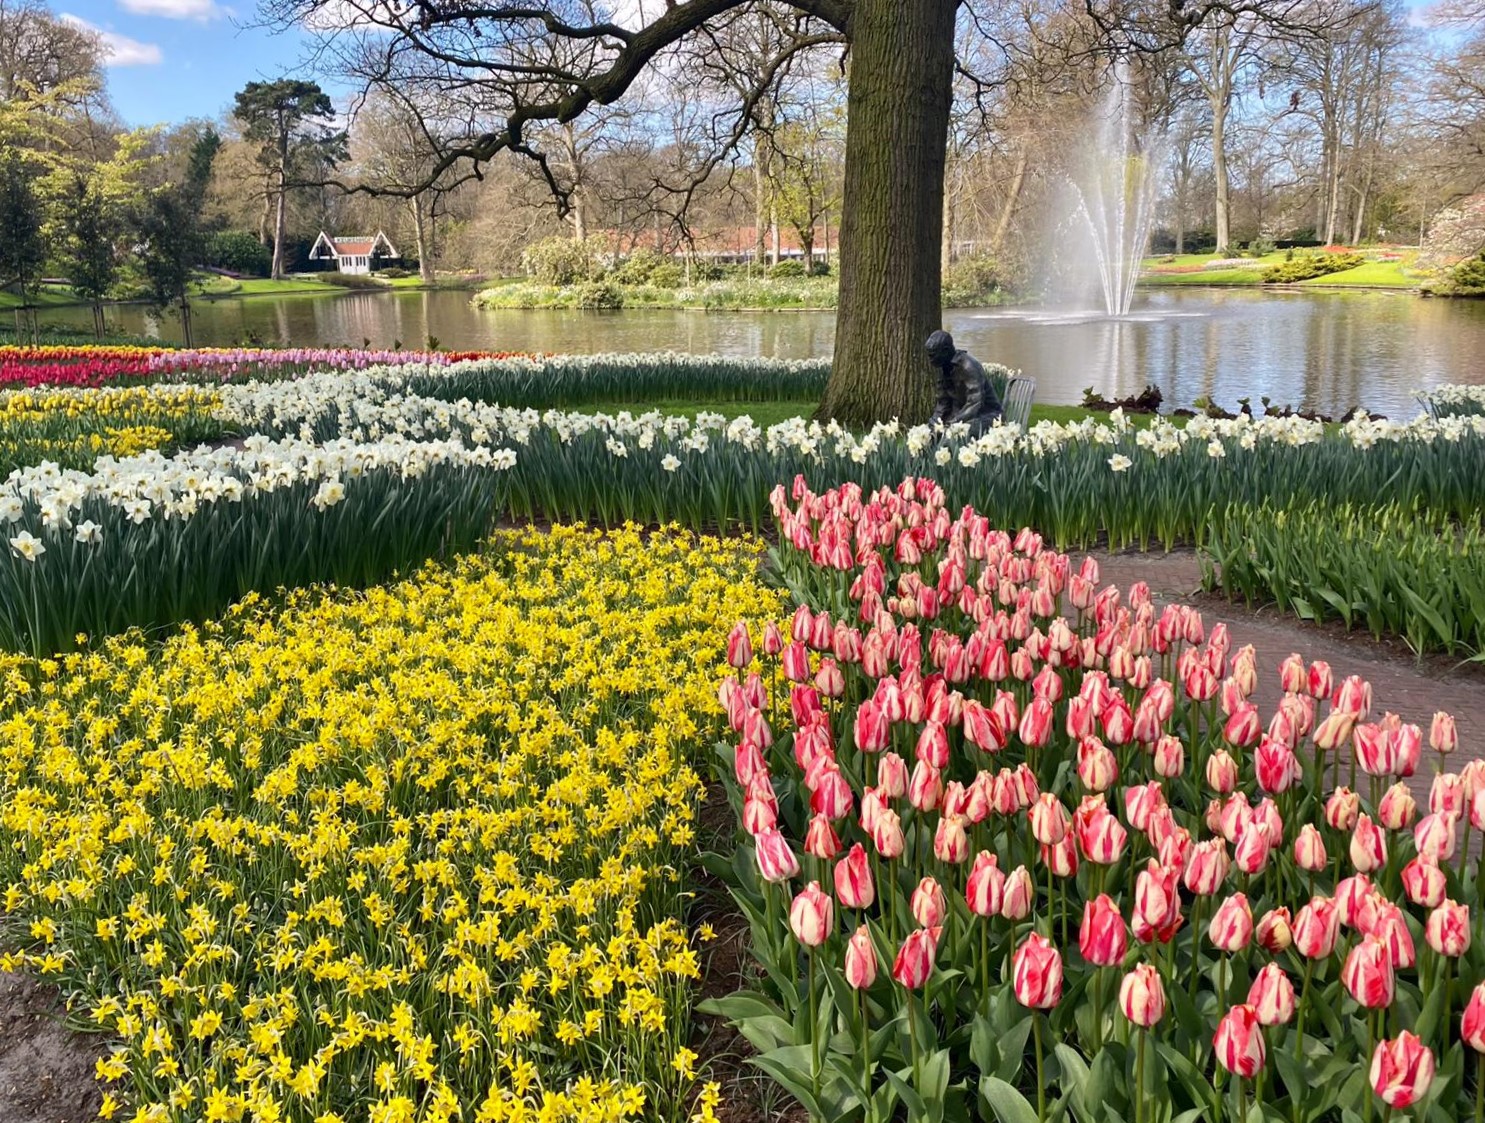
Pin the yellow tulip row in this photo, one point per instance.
(412, 854)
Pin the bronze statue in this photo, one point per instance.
(964, 392)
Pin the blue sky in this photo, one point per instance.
(172, 60)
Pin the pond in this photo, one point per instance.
(1316, 351)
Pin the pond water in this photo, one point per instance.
(1316, 351)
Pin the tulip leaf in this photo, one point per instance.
(1007, 1104)
(1433, 1013)
(934, 1073)
(1292, 1070)
(1101, 1076)
(790, 1066)
(1013, 1049)
(902, 1084)
(1191, 1115)
(1196, 1085)
(983, 1053)
(1074, 1081)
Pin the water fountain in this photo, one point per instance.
(1114, 196)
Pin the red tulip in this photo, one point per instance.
(1402, 1070)
(1243, 727)
(853, 884)
(1407, 749)
(1368, 846)
(1448, 929)
(1368, 974)
(926, 788)
(776, 862)
(739, 646)
(796, 662)
(1434, 836)
(1397, 808)
(1142, 996)
(1446, 794)
(928, 905)
(1354, 696)
(830, 793)
(1206, 867)
(1140, 802)
(1320, 679)
(985, 890)
(1342, 809)
(933, 745)
(1335, 730)
(1222, 772)
(1274, 931)
(950, 843)
(829, 679)
(1272, 996)
(820, 840)
(861, 959)
(1424, 882)
(1103, 939)
(1238, 1042)
(1315, 928)
(1275, 766)
(982, 727)
(1097, 768)
(1351, 896)
(1036, 973)
(1102, 837)
(1309, 849)
(1062, 858)
(812, 916)
(1253, 848)
(1232, 924)
(1019, 894)
(1157, 904)
(1472, 1028)
(1170, 757)
(1048, 819)
(1292, 676)
(914, 961)
(892, 776)
(1442, 736)
(1036, 722)
(886, 835)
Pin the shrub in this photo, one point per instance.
(820, 268)
(638, 267)
(1261, 247)
(600, 295)
(1309, 266)
(394, 272)
(239, 252)
(785, 269)
(350, 280)
(667, 275)
(564, 261)
(1469, 277)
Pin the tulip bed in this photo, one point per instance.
(412, 854)
(1017, 847)
(73, 429)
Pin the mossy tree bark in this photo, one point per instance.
(897, 129)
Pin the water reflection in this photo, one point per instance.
(1323, 352)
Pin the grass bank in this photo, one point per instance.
(1382, 270)
(733, 294)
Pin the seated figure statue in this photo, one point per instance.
(964, 392)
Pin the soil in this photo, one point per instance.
(46, 1069)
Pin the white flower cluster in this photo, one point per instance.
(153, 486)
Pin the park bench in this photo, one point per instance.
(1015, 404)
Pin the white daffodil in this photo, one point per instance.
(27, 545)
(670, 463)
(1119, 462)
(88, 532)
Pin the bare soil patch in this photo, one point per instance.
(46, 1069)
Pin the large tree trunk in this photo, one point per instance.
(1012, 201)
(897, 134)
(1219, 173)
(281, 214)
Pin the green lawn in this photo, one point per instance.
(1375, 274)
(1205, 277)
(215, 286)
(1370, 274)
(49, 296)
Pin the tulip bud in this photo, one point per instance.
(1103, 938)
(1315, 929)
(1309, 849)
(853, 884)
(776, 862)
(1272, 996)
(1157, 904)
(739, 646)
(861, 959)
(1351, 894)
(1472, 1028)
(812, 916)
(1274, 932)
(1368, 846)
(887, 837)
(928, 905)
(1253, 848)
(985, 890)
(1342, 809)
(1397, 808)
(1238, 1042)
(1388, 925)
(1036, 973)
(1320, 679)
(1434, 836)
(1142, 996)
(950, 843)
(829, 679)
(1232, 924)
(1222, 772)
(1048, 818)
(1448, 929)
(1442, 736)
(1402, 1070)
(1170, 757)
(820, 839)
(773, 639)
(1292, 676)
(1206, 867)
(1368, 974)
(1097, 768)
(1424, 883)
(914, 961)
(892, 776)
(1019, 893)
(1335, 730)
(1061, 858)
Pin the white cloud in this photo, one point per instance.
(173, 9)
(120, 50)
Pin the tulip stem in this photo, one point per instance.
(814, 1031)
(913, 1037)
(1051, 905)
(1097, 1010)
(1480, 1087)
(865, 1053)
(1195, 946)
(1299, 1018)
(985, 963)
(1448, 965)
(1371, 1049)
(1139, 1075)
(1041, 1084)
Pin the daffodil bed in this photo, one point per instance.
(73, 430)
(415, 853)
